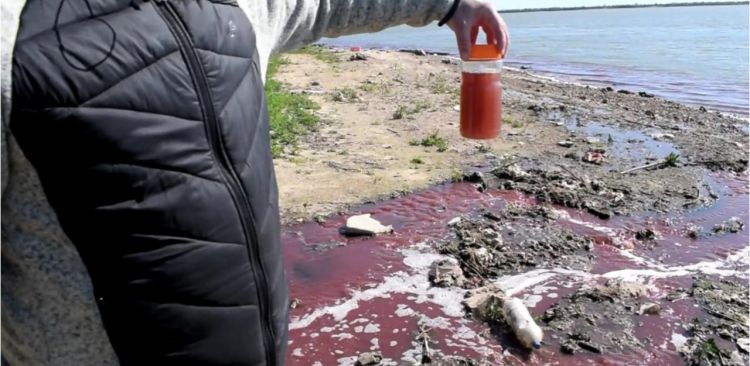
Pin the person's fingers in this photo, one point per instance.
(490, 33)
(474, 34)
(498, 28)
(463, 39)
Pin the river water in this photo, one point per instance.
(697, 55)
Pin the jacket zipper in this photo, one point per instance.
(236, 190)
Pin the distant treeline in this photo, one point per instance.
(623, 6)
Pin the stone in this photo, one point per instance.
(454, 221)
(645, 234)
(649, 308)
(446, 273)
(369, 358)
(662, 136)
(645, 95)
(512, 172)
(744, 344)
(703, 109)
(593, 140)
(315, 83)
(623, 91)
(358, 57)
(566, 143)
(475, 177)
(485, 303)
(365, 225)
(732, 225)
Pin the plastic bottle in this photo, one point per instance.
(523, 325)
(481, 93)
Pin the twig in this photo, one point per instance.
(571, 173)
(643, 167)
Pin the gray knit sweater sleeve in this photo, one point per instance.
(287, 24)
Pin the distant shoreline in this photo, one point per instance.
(532, 10)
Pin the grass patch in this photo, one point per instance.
(417, 161)
(456, 176)
(433, 139)
(515, 123)
(345, 95)
(289, 115)
(319, 52)
(404, 111)
(442, 85)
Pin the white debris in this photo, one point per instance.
(372, 328)
(365, 225)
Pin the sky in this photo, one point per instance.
(520, 4)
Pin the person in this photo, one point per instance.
(140, 221)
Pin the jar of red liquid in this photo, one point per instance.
(481, 93)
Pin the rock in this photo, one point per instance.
(703, 109)
(650, 113)
(365, 225)
(358, 56)
(593, 157)
(733, 225)
(649, 308)
(294, 303)
(645, 234)
(744, 344)
(512, 172)
(662, 136)
(457, 108)
(566, 143)
(420, 52)
(609, 89)
(694, 232)
(315, 83)
(485, 303)
(593, 140)
(536, 108)
(524, 67)
(645, 95)
(453, 361)
(369, 358)
(475, 177)
(454, 221)
(600, 212)
(627, 288)
(446, 273)
(623, 91)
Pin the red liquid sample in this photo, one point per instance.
(481, 105)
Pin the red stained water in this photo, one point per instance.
(321, 279)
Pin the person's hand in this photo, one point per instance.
(469, 17)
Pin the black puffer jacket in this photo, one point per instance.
(148, 128)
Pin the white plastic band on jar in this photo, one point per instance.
(482, 67)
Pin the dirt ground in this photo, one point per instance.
(565, 143)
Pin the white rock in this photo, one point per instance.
(365, 225)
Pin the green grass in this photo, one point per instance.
(319, 52)
(289, 115)
(456, 175)
(417, 161)
(403, 111)
(433, 139)
(441, 85)
(515, 123)
(345, 95)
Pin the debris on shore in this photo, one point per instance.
(364, 225)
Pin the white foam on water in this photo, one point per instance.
(449, 299)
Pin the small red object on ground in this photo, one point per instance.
(356, 49)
